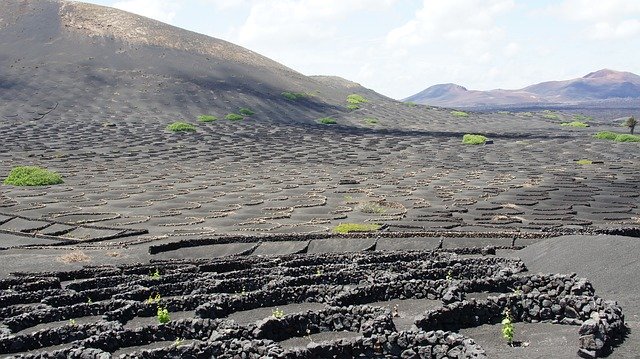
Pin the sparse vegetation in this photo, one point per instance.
(470, 139)
(294, 96)
(618, 137)
(155, 274)
(371, 121)
(574, 124)
(631, 123)
(32, 176)
(278, 313)
(411, 104)
(181, 127)
(154, 299)
(246, 112)
(584, 162)
(507, 327)
(371, 207)
(459, 113)
(582, 118)
(163, 315)
(234, 117)
(353, 107)
(344, 228)
(356, 99)
(207, 118)
(550, 115)
(327, 121)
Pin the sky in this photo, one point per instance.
(401, 47)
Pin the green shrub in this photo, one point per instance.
(234, 117)
(353, 106)
(551, 116)
(32, 176)
(469, 139)
(246, 112)
(606, 135)
(294, 96)
(574, 124)
(207, 118)
(356, 99)
(344, 228)
(371, 121)
(459, 113)
(618, 137)
(411, 104)
(181, 127)
(371, 207)
(584, 162)
(163, 315)
(327, 121)
(627, 138)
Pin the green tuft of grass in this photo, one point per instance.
(294, 96)
(181, 127)
(618, 137)
(470, 139)
(574, 124)
(345, 228)
(356, 99)
(32, 176)
(246, 112)
(234, 117)
(584, 162)
(353, 107)
(371, 121)
(327, 121)
(459, 113)
(411, 104)
(207, 118)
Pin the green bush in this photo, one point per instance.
(627, 138)
(411, 104)
(181, 127)
(294, 96)
(353, 106)
(469, 139)
(618, 137)
(344, 228)
(356, 99)
(459, 113)
(327, 121)
(234, 117)
(207, 118)
(246, 112)
(32, 176)
(574, 124)
(163, 315)
(606, 135)
(584, 162)
(371, 121)
(551, 116)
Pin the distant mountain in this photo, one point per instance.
(599, 86)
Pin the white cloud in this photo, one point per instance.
(466, 20)
(281, 22)
(162, 10)
(604, 20)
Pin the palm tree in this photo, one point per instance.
(631, 123)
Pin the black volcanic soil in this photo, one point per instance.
(94, 106)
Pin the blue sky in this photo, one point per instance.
(400, 47)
